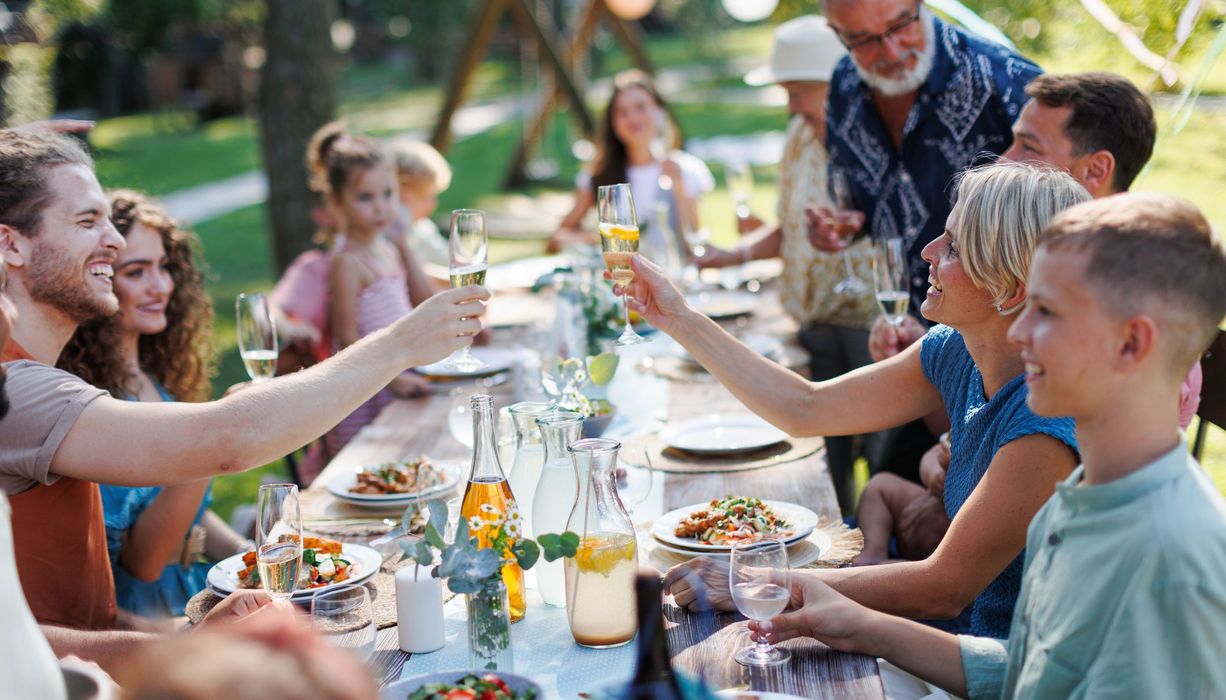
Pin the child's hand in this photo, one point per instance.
(819, 612)
(933, 466)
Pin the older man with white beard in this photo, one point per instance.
(915, 102)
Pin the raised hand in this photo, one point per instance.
(653, 296)
(885, 340)
(830, 228)
(443, 323)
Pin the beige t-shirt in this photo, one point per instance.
(44, 402)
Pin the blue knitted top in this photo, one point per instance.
(978, 428)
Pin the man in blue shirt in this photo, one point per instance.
(915, 102)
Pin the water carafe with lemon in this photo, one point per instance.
(600, 577)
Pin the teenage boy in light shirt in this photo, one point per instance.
(1122, 594)
(63, 435)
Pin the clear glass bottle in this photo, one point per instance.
(488, 487)
(529, 456)
(555, 496)
(600, 577)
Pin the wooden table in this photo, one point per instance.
(698, 642)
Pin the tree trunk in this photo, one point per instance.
(298, 94)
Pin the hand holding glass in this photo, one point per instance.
(619, 241)
(761, 584)
(891, 281)
(257, 336)
(469, 261)
(843, 223)
(278, 539)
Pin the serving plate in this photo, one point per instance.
(803, 521)
(340, 484)
(722, 434)
(223, 577)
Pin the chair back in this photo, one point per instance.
(1212, 392)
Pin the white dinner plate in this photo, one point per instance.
(800, 553)
(223, 577)
(722, 434)
(719, 303)
(404, 688)
(523, 273)
(340, 484)
(496, 360)
(802, 519)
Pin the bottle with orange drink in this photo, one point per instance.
(488, 502)
(600, 577)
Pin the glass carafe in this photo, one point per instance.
(488, 497)
(600, 577)
(529, 456)
(555, 495)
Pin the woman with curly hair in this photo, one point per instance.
(157, 348)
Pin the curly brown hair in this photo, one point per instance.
(181, 356)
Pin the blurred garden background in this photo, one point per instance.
(192, 105)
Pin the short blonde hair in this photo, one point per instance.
(419, 162)
(1003, 208)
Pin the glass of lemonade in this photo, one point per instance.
(890, 279)
(761, 583)
(257, 336)
(278, 539)
(619, 241)
(470, 246)
(600, 577)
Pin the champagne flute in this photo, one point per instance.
(257, 336)
(761, 583)
(469, 261)
(740, 187)
(891, 280)
(278, 539)
(619, 241)
(843, 224)
(344, 616)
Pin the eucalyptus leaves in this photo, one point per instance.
(464, 563)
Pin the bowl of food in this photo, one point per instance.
(463, 685)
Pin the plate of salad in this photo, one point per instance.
(463, 685)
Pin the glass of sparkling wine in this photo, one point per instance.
(345, 617)
(278, 539)
(619, 241)
(257, 336)
(740, 186)
(469, 260)
(844, 226)
(761, 583)
(890, 279)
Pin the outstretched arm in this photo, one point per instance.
(871, 398)
(139, 444)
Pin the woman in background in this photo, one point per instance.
(638, 145)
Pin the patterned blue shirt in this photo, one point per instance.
(963, 115)
(978, 428)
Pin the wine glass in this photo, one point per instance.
(278, 539)
(619, 241)
(761, 583)
(469, 261)
(844, 224)
(345, 617)
(891, 280)
(740, 186)
(257, 336)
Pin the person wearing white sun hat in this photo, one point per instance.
(834, 327)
